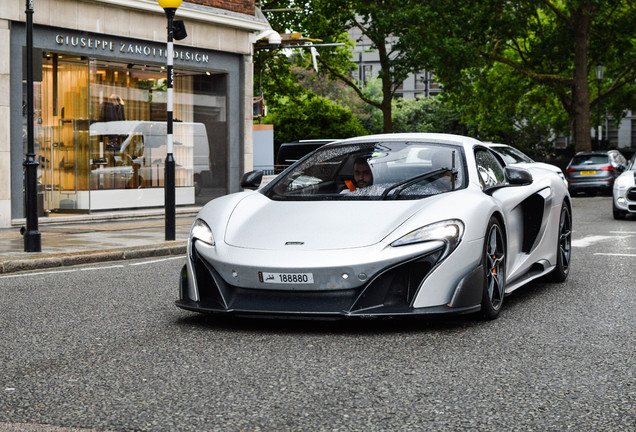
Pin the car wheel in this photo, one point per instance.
(494, 261)
(564, 246)
(618, 213)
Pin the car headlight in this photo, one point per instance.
(449, 231)
(624, 181)
(201, 231)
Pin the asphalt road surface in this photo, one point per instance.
(104, 348)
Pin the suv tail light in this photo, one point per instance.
(607, 168)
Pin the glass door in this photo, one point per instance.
(63, 132)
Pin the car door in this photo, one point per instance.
(523, 208)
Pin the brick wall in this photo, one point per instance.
(240, 6)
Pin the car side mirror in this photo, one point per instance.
(252, 180)
(621, 168)
(518, 176)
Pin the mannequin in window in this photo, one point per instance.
(112, 109)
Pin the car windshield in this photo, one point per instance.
(511, 155)
(372, 171)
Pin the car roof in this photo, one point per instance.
(428, 137)
(595, 152)
(308, 141)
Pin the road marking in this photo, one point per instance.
(40, 273)
(48, 272)
(616, 254)
(623, 232)
(156, 261)
(99, 268)
(590, 240)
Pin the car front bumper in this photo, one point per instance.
(390, 292)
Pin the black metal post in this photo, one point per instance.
(32, 236)
(598, 121)
(169, 176)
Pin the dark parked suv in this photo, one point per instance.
(592, 172)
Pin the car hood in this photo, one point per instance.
(539, 165)
(630, 175)
(260, 223)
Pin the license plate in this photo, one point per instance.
(286, 278)
(588, 172)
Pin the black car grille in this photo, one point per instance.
(392, 290)
(631, 194)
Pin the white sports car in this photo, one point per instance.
(514, 156)
(384, 225)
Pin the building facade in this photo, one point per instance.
(100, 103)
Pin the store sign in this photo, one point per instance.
(96, 44)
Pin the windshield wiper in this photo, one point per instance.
(400, 186)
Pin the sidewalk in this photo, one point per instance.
(80, 239)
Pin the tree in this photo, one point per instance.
(311, 117)
(432, 114)
(498, 105)
(554, 44)
(382, 22)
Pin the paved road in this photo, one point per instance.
(102, 347)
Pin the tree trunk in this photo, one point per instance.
(580, 88)
(387, 112)
(387, 93)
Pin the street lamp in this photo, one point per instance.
(32, 236)
(600, 69)
(169, 7)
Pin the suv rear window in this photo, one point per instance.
(590, 160)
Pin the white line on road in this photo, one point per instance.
(99, 268)
(156, 261)
(40, 273)
(590, 240)
(48, 272)
(616, 254)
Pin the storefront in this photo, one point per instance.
(100, 120)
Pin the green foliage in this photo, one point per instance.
(524, 68)
(498, 105)
(426, 115)
(378, 22)
(312, 117)
(516, 72)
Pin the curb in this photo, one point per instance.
(76, 258)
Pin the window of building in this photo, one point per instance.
(101, 133)
(420, 81)
(366, 74)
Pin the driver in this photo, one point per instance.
(362, 175)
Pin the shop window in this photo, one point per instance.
(102, 127)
